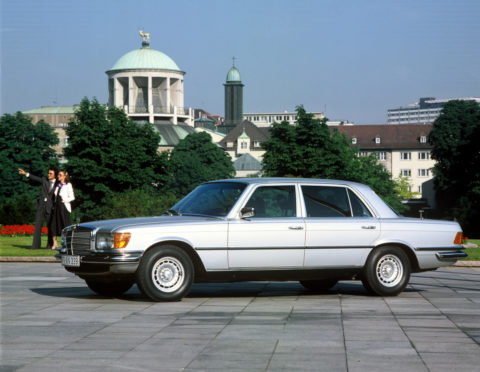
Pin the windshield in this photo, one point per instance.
(210, 199)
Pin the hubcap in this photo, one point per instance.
(389, 270)
(168, 274)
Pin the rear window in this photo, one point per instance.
(326, 201)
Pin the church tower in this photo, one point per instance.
(233, 98)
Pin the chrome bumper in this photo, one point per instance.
(451, 255)
(105, 264)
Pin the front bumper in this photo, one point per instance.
(104, 264)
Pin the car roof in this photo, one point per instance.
(269, 180)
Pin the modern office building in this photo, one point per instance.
(424, 112)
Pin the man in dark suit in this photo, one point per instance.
(44, 205)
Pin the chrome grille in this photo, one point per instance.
(78, 240)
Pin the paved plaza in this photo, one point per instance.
(50, 321)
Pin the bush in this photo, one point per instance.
(137, 203)
(17, 210)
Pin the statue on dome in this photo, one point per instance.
(145, 35)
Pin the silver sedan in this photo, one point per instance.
(311, 230)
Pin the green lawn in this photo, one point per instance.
(19, 246)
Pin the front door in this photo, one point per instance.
(274, 238)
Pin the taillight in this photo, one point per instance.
(458, 239)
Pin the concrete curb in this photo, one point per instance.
(53, 259)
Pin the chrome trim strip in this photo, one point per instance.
(454, 247)
(280, 248)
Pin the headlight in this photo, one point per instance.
(108, 241)
(104, 241)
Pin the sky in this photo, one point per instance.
(352, 59)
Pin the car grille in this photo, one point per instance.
(78, 240)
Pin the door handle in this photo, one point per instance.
(295, 227)
(369, 227)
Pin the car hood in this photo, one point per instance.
(138, 222)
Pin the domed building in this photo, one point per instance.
(148, 85)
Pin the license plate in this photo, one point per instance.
(71, 260)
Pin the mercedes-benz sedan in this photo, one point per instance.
(311, 230)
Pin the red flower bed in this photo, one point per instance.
(13, 230)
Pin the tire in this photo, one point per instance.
(321, 285)
(109, 289)
(165, 273)
(387, 271)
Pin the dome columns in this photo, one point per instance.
(152, 95)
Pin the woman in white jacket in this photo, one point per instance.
(63, 207)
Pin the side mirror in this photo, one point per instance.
(247, 212)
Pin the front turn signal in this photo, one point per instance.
(120, 240)
(458, 239)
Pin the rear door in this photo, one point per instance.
(340, 229)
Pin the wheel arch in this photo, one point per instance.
(406, 249)
(189, 250)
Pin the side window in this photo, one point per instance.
(273, 201)
(326, 201)
(358, 208)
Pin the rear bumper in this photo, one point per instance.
(451, 255)
(430, 258)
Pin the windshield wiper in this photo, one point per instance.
(172, 212)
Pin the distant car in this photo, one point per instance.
(315, 231)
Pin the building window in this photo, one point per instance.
(423, 139)
(354, 141)
(405, 156)
(377, 139)
(381, 155)
(405, 172)
(243, 145)
(423, 172)
(424, 155)
(256, 144)
(420, 189)
(362, 153)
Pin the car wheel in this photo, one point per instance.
(387, 271)
(165, 274)
(319, 285)
(109, 289)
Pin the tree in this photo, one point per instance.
(311, 150)
(28, 146)
(404, 188)
(455, 138)
(138, 203)
(195, 160)
(109, 153)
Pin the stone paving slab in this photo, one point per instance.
(50, 320)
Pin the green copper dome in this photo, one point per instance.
(145, 58)
(233, 75)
